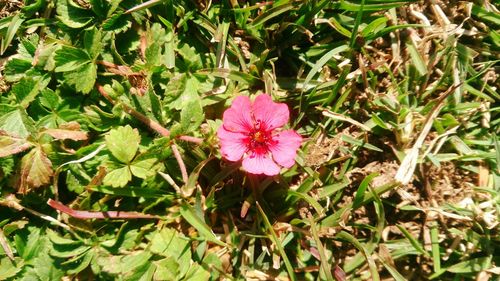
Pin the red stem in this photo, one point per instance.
(182, 166)
(97, 215)
(155, 126)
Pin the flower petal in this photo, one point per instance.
(284, 147)
(232, 145)
(258, 163)
(272, 115)
(238, 117)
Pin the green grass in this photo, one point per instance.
(111, 108)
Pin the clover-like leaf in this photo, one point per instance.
(123, 143)
(142, 169)
(118, 177)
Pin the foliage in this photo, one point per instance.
(111, 108)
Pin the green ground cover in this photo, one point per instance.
(111, 168)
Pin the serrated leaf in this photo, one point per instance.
(169, 243)
(83, 78)
(123, 143)
(142, 169)
(188, 93)
(153, 54)
(143, 273)
(8, 268)
(175, 87)
(11, 145)
(68, 250)
(56, 239)
(36, 170)
(192, 115)
(46, 268)
(29, 242)
(17, 123)
(69, 59)
(166, 269)
(49, 99)
(197, 273)
(117, 23)
(93, 42)
(28, 88)
(16, 68)
(118, 177)
(72, 15)
(84, 263)
(133, 261)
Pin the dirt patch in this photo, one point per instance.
(448, 183)
(323, 150)
(8, 8)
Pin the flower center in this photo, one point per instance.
(259, 137)
(259, 141)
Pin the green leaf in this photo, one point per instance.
(29, 242)
(354, 7)
(124, 264)
(83, 262)
(56, 239)
(93, 42)
(167, 269)
(68, 250)
(16, 68)
(46, 268)
(417, 59)
(323, 60)
(360, 193)
(182, 91)
(128, 191)
(123, 143)
(83, 78)
(14, 25)
(28, 88)
(271, 13)
(8, 268)
(72, 15)
(17, 123)
(153, 54)
(117, 23)
(69, 59)
(471, 266)
(192, 115)
(485, 15)
(277, 242)
(197, 273)
(118, 177)
(169, 243)
(143, 273)
(189, 214)
(142, 169)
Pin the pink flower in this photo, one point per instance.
(251, 131)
